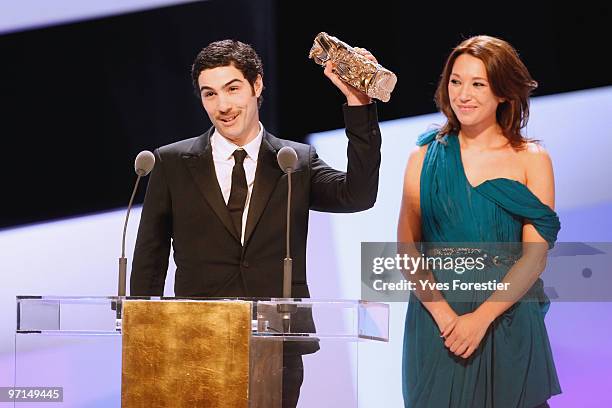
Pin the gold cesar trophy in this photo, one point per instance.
(353, 68)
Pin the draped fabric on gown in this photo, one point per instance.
(513, 366)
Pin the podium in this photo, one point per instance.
(196, 352)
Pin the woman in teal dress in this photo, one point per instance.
(478, 180)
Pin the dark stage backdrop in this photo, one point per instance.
(79, 101)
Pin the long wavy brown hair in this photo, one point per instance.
(509, 79)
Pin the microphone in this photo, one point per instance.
(287, 160)
(142, 165)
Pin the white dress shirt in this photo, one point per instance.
(223, 158)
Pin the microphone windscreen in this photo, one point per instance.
(287, 158)
(144, 163)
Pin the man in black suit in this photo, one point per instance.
(221, 197)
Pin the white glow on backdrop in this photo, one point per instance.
(28, 14)
(80, 256)
(74, 257)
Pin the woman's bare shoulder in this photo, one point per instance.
(539, 173)
(535, 157)
(418, 152)
(415, 159)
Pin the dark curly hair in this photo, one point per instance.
(224, 53)
(508, 77)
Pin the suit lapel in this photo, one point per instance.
(266, 177)
(200, 163)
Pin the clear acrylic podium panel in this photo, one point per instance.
(76, 343)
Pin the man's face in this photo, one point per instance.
(231, 102)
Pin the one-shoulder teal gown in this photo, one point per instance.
(513, 366)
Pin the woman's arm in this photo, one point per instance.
(409, 232)
(540, 180)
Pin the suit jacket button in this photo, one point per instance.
(245, 264)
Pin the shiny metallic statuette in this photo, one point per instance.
(353, 68)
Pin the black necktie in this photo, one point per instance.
(238, 194)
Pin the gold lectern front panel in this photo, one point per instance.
(185, 354)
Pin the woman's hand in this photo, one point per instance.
(464, 334)
(444, 316)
